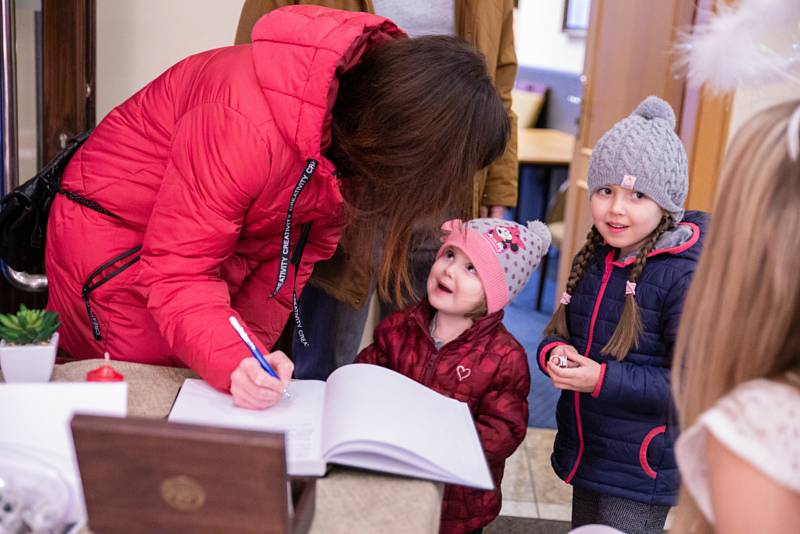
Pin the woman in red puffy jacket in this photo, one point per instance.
(235, 171)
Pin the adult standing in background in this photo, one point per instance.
(335, 301)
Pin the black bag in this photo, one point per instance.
(24, 212)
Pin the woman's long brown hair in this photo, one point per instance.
(741, 319)
(412, 124)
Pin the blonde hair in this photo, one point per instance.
(629, 328)
(741, 319)
(480, 310)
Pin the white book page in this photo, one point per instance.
(368, 403)
(299, 417)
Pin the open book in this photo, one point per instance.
(364, 416)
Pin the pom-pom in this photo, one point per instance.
(754, 43)
(539, 229)
(452, 225)
(653, 107)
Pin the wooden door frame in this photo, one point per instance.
(68, 96)
(704, 130)
(572, 215)
(703, 119)
(68, 77)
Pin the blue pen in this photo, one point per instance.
(254, 350)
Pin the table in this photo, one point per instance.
(540, 151)
(543, 146)
(347, 500)
(544, 156)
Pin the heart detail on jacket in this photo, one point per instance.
(463, 372)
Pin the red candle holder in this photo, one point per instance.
(104, 373)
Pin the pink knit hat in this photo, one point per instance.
(504, 253)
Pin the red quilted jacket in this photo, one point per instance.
(484, 367)
(200, 166)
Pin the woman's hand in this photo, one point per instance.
(581, 375)
(253, 388)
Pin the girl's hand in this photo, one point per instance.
(254, 388)
(582, 377)
(560, 352)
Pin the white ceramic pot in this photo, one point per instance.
(28, 363)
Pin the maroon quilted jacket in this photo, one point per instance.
(486, 368)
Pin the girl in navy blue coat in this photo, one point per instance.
(609, 344)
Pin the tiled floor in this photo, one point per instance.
(530, 487)
(534, 498)
(527, 324)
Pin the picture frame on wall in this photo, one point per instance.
(576, 17)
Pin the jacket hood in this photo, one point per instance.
(312, 45)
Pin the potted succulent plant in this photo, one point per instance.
(28, 344)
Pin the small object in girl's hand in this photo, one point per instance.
(563, 361)
(104, 373)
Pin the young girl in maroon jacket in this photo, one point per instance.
(455, 343)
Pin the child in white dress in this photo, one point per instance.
(752, 432)
(736, 377)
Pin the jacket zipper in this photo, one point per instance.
(90, 285)
(431, 365)
(576, 395)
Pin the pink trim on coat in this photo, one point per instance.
(599, 386)
(547, 348)
(606, 276)
(580, 438)
(672, 250)
(643, 449)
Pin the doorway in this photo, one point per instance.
(49, 67)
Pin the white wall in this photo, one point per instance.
(541, 43)
(139, 39)
(748, 102)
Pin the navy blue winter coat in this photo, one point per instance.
(619, 440)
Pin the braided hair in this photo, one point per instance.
(558, 323)
(629, 327)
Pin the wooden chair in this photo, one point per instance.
(528, 101)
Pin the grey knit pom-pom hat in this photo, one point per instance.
(642, 152)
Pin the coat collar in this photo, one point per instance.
(422, 314)
(681, 241)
